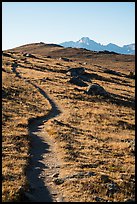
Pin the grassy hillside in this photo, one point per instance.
(94, 134)
(20, 102)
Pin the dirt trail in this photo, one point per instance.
(44, 164)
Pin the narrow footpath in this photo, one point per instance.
(44, 164)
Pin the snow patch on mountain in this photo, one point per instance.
(86, 42)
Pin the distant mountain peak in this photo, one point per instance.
(86, 42)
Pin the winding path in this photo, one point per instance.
(44, 163)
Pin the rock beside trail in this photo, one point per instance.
(78, 76)
(96, 89)
(77, 81)
(58, 181)
(76, 71)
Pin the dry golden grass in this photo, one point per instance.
(93, 133)
(93, 141)
(20, 101)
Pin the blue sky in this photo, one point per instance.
(56, 22)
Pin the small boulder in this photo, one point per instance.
(96, 89)
(76, 71)
(105, 178)
(58, 181)
(77, 81)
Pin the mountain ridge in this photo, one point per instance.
(86, 42)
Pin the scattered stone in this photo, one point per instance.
(96, 89)
(76, 71)
(58, 181)
(77, 81)
(105, 178)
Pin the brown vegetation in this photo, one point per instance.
(94, 133)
